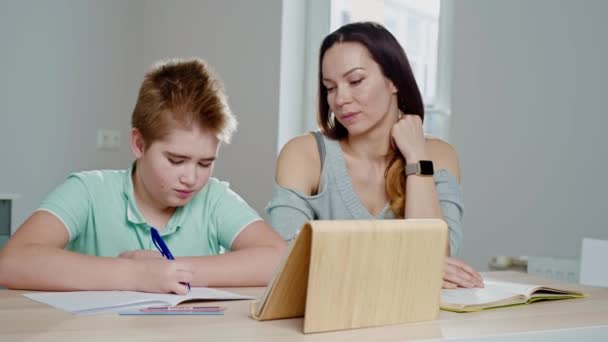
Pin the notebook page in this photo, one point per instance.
(492, 292)
(515, 288)
(88, 302)
(91, 302)
(201, 293)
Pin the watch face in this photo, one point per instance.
(426, 167)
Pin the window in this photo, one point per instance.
(422, 26)
(415, 24)
(418, 26)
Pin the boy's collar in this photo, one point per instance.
(134, 216)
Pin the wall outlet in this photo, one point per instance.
(560, 269)
(108, 139)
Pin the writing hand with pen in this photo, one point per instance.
(160, 272)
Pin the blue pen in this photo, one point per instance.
(162, 246)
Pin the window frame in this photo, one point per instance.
(317, 25)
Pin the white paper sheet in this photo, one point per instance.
(91, 302)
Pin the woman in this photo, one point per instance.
(371, 159)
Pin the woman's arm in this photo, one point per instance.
(456, 272)
(298, 171)
(299, 165)
(421, 193)
(35, 259)
(421, 198)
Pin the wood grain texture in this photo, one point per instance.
(285, 296)
(359, 274)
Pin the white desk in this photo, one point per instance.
(24, 320)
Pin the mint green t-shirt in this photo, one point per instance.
(99, 211)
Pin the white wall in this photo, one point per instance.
(241, 40)
(529, 121)
(67, 68)
(70, 67)
(528, 103)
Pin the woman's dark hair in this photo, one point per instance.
(386, 51)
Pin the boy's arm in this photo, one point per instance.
(255, 254)
(35, 259)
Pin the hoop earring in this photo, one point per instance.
(332, 119)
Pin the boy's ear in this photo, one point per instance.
(137, 142)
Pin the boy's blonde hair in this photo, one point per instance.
(180, 93)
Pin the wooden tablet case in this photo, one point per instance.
(353, 274)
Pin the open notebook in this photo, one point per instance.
(497, 294)
(92, 302)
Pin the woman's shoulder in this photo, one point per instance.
(443, 155)
(299, 164)
(303, 145)
(440, 147)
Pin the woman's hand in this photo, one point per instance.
(408, 135)
(458, 274)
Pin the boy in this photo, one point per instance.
(93, 232)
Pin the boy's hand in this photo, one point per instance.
(456, 273)
(162, 275)
(140, 254)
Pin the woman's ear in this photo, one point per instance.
(391, 86)
(137, 142)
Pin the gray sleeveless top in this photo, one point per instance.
(336, 199)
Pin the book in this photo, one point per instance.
(498, 294)
(93, 302)
(144, 312)
(345, 274)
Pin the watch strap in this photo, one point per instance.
(422, 167)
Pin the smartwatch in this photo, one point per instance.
(422, 167)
